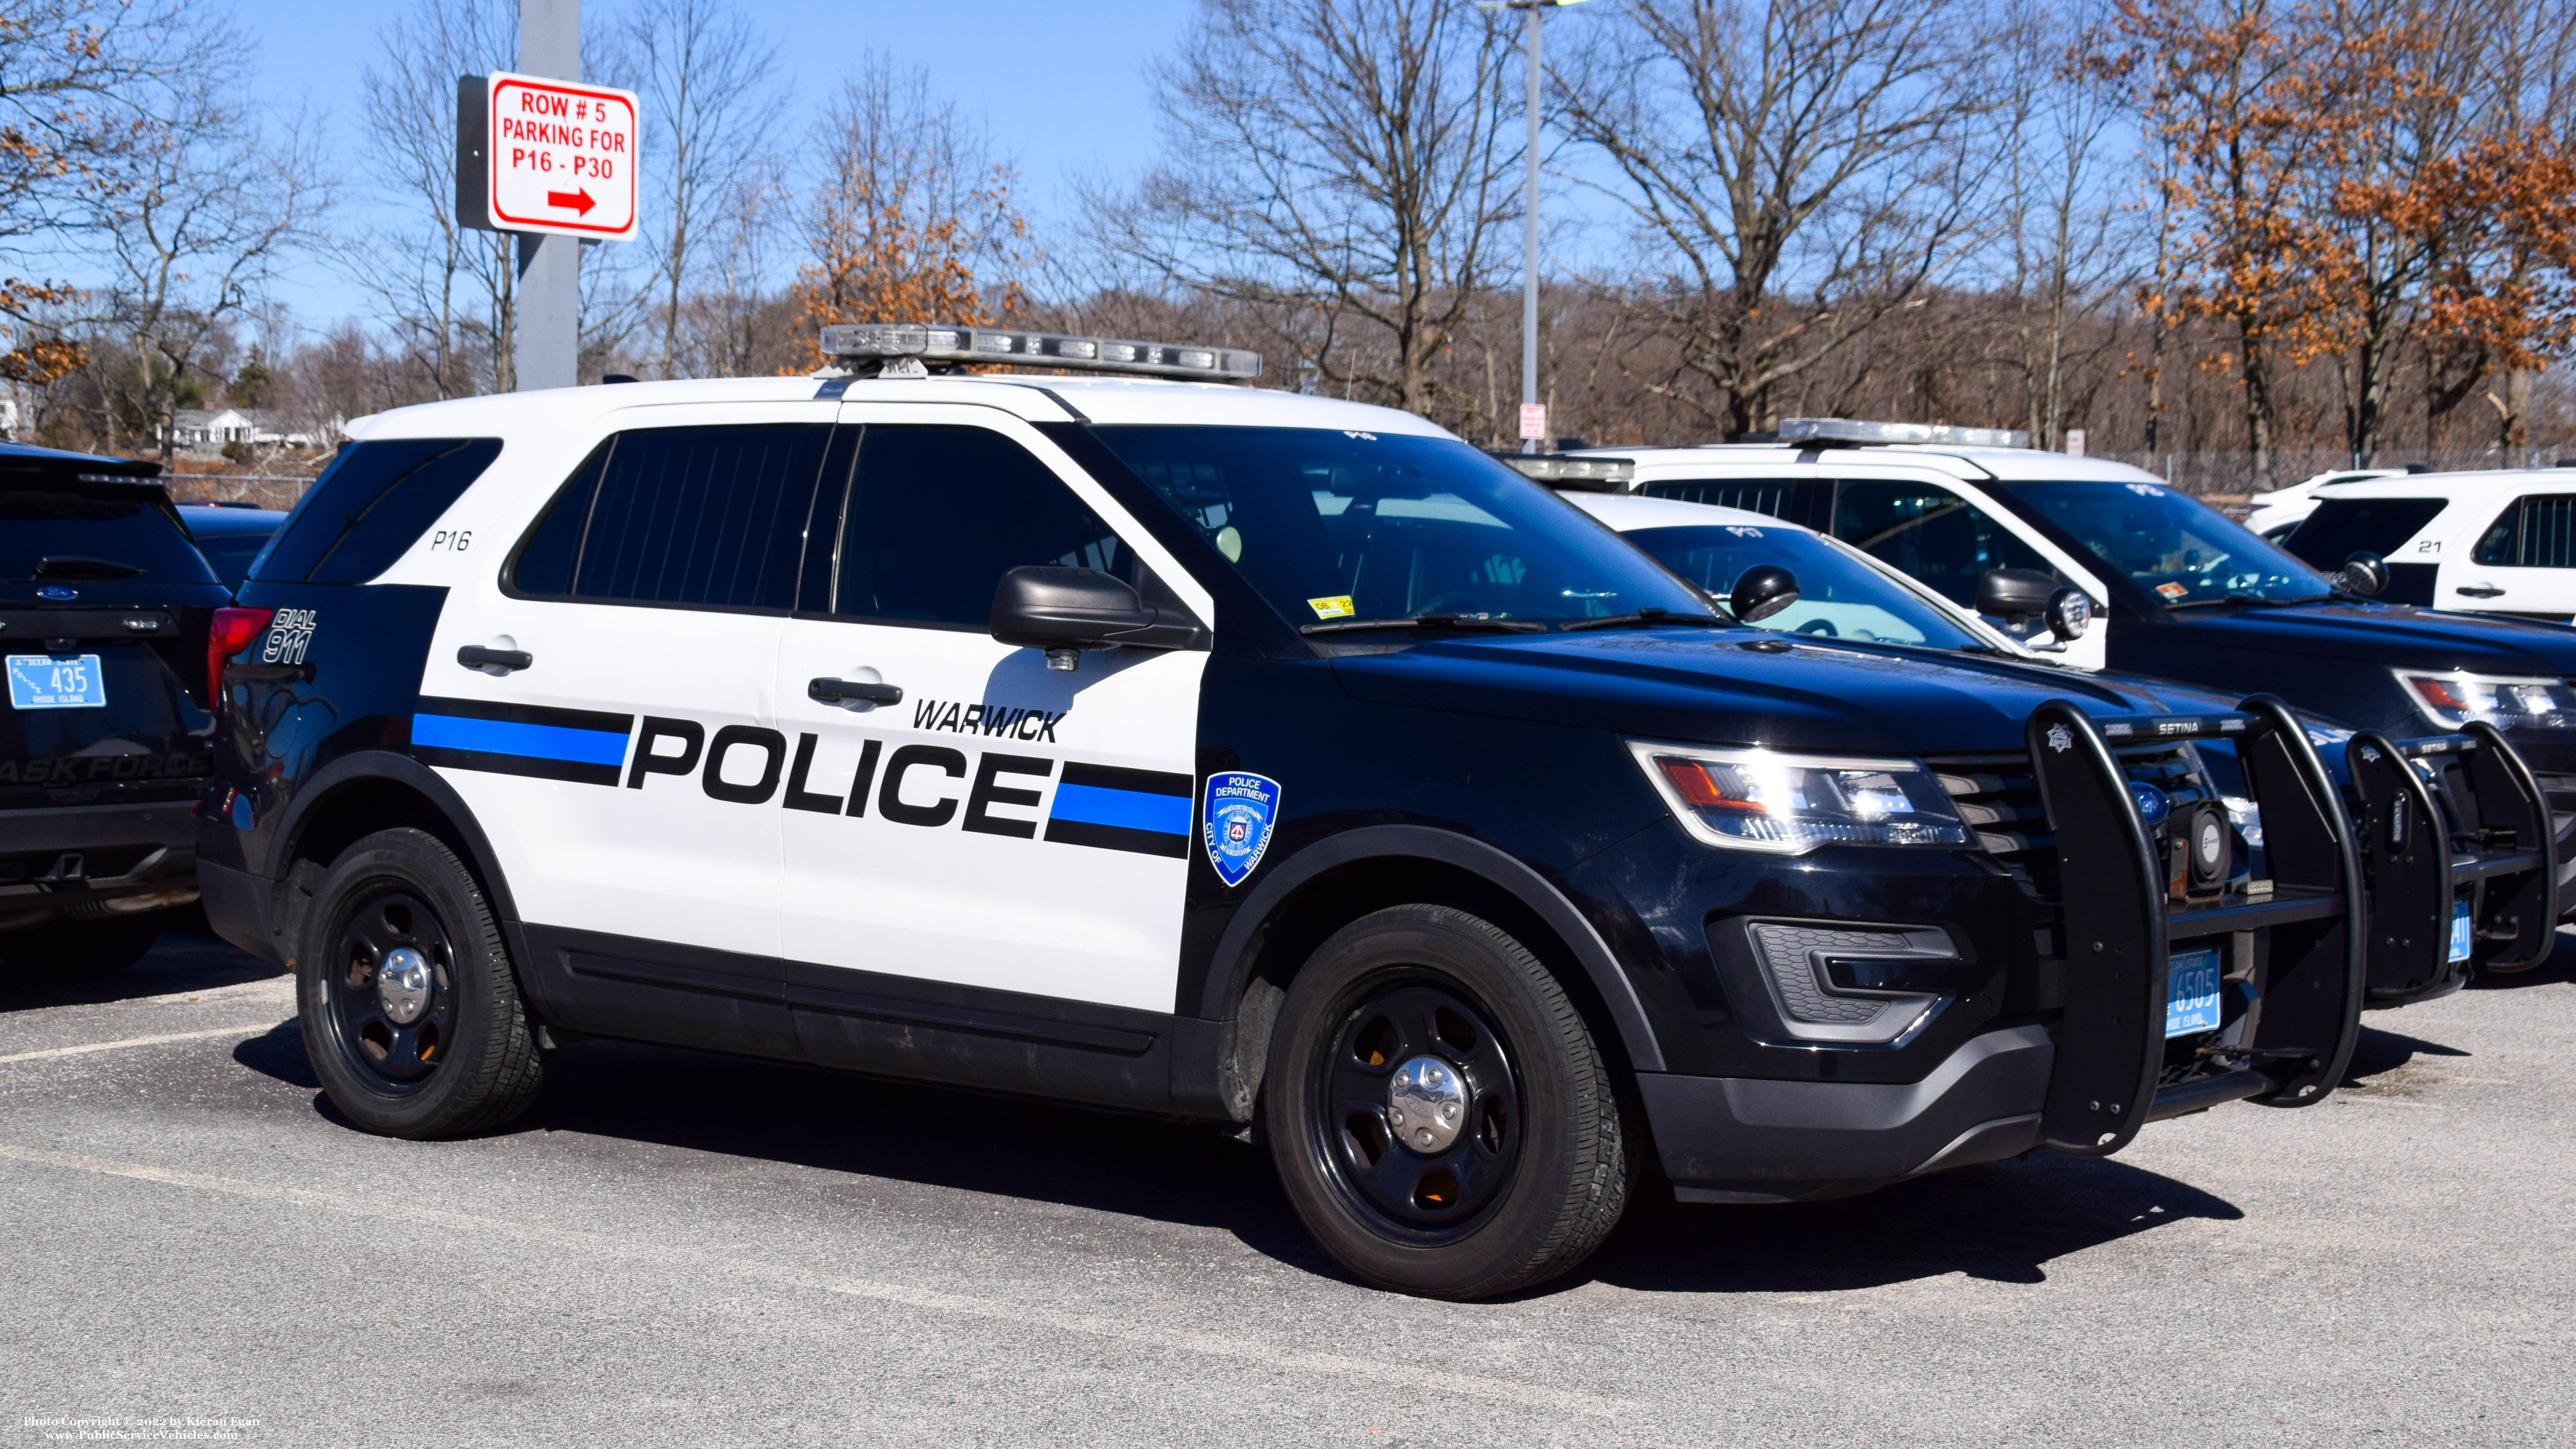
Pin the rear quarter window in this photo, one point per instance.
(2342, 527)
(369, 506)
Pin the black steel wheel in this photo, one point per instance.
(410, 1010)
(1438, 1111)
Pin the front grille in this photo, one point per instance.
(1998, 797)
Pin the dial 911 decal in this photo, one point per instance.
(1240, 810)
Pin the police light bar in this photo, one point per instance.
(884, 342)
(1589, 475)
(1845, 430)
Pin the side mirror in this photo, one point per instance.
(1762, 591)
(1067, 611)
(2015, 594)
(2363, 573)
(2069, 611)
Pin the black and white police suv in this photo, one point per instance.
(1227, 755)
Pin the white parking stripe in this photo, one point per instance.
(1265, 1355)
(138, 1041)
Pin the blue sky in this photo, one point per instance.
(1061, 84)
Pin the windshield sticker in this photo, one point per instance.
(2172, 590)
(1240, 811)
(1337, 606)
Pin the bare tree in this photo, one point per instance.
(1796, 170)
(1345, 164)
(213, 206)
(713, 103)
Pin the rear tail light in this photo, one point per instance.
(233, 630)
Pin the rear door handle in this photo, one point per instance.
(2478, 591)
(475, 656)
(836, 691)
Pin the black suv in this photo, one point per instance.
(105, 744)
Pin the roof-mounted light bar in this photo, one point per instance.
(860, 344)
(1587, 475)
(1846, 430)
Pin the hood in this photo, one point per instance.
(1708, 686)
(2397, 634)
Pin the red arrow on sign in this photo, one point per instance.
(579, 201)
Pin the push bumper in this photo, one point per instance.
(95, 862)
(2456, 840)
(2099, 1065)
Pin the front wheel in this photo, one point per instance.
(1439, 1113)
(410, 1012)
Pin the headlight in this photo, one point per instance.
(2505, 701)
(1790, 804)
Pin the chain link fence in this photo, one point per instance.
(260, 490)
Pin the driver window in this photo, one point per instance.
(936, 515)
(1933, 534)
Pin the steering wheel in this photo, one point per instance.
(1824, 627)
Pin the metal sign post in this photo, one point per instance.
(541, 155)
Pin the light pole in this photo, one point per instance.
(547, 350)
(1533, 418)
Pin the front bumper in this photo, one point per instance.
(95, 862)
(2097, 1064)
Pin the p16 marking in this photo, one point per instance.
(451, 540)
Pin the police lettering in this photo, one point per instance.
(1008, 721)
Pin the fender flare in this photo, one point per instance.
(413, 775)
(1229, 971)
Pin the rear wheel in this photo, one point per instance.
(1439, 1113)
(83, 950)
(411, 1014)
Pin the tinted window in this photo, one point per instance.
(709, 517)
(67, 532)
(1930, 533)
(1329, 525)
(2535, 533)
(937, 515)
(369, 506)
(2342, 527)
(1754, 495)
(1839, 597)
(2180, 551)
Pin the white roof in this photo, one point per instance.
(1033, 397)
(1628, 512)
(1719, 460)
(2477, 484)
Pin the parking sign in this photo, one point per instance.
(539, 155)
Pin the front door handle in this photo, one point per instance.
(2478, 591)
(838, 691)
(475, 656)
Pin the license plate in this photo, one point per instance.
(2459, 931)
(56, 681)
(2191, 995)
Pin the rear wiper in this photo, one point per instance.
(1423, 621)
(74, 566)
(1647, 619)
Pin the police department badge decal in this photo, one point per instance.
(1239, 811)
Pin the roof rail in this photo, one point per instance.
(910, 349)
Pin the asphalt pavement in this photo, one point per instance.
(683, 1249)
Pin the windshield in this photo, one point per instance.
(2342, 527)
(1839, 597)
(2180, 551)
(1332, 526)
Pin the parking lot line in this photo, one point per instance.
(86, 1048)
(1209, 1344)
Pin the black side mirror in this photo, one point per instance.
(1067, 611)
(2363, 573)
(1762, 591)
(2069, 611)
(2015, 594)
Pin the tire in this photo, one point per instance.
(83, 950)
(1519, 1186)
(434, 1044)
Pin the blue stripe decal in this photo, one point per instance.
(502, 737)
(1134, 810)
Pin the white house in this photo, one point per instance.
(205, 428)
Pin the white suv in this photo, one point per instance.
(2500, 542)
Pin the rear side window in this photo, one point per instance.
(370, 505)
(61, 531)
(2342, 527)
(708, 517)
(2538, 532)
(937, 515)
